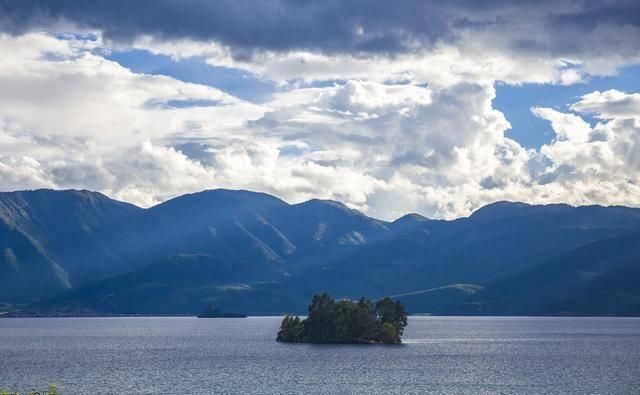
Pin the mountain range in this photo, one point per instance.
(80, 252)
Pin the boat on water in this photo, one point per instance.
(212, 312)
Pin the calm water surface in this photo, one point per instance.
(452, 355)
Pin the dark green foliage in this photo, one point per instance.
(291, 329)
(392, 313)
(346, 321)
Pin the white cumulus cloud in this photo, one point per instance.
(388, 137)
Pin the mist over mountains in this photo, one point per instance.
(80, 251)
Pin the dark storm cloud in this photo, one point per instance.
(330, 26)
(599, 27)
(593, 13)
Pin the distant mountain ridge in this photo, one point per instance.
(49, 237)
(248, 251)
(56, 240)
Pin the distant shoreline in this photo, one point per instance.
(9, 315)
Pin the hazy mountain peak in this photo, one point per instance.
(408, 223)
(45, 193)
(238, 195)
(502, 209)
(411, 217)
(325, 203)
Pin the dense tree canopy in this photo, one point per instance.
(346, 321)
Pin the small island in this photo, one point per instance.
(346, 322)
(212, 312)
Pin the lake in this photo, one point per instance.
(440, 355)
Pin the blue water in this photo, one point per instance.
(441, 355)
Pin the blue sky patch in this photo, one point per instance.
(532, 132)
(236, 82)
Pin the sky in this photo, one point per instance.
(437, 108)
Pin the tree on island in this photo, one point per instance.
(346, 321)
